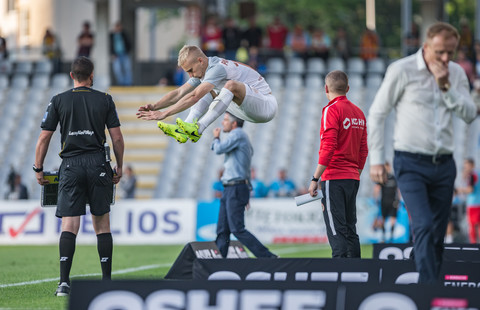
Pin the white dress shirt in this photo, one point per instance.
(423, 113)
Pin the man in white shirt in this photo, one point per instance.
(426, 90)
(242, 91)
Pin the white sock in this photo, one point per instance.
(199, 108)
(218, 107)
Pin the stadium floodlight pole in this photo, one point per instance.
(406, 23)
(370, 9)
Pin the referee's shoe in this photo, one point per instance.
(63, 289)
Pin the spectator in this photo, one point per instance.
(217, 186)
(120, 49)
(253, 34)
(212, 44)
(85, 41)
(3, 49)
(476, 95)
(19, 190)
(179, 76)
(466, 39)
(457, 206)
(321, 44)
(277, 34)
(259, 189)
(412, 39)
(231, 37)
(388, 197)
(298, 41)
(128, 183)
(11, 180)
(369, 45)
(467, 65)
(282, 186)
(471, 190)
(242, 52)
(342, 44)
(477, 58)
(51, 49)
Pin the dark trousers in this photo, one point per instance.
(427, 189)
(340, 215)
(231, 220)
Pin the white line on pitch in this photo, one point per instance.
(122, 271)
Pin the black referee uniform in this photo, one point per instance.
(84, 173)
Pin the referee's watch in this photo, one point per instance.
(314, 179)
(37, 169)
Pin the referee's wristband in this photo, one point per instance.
(314, 179)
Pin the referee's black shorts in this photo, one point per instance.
(83, 179)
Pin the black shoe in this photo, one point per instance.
(63, 289)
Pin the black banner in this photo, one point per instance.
(255, 295)
(458, 252)
(371, 271)
(182, 267)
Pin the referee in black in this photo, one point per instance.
(85, 172)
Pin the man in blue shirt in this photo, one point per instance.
(283, 187)
(236, 194)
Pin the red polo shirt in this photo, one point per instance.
(343, 140)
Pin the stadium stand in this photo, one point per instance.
(316, 65)
(165, 168)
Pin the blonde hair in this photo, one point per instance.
(187, 52)
(438, 28)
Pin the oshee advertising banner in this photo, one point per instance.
(132, 222)
(257, 295)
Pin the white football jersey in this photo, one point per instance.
(220, 70)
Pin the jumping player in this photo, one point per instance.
(242, 91)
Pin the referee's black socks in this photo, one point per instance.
(67, 249)
(105, 250)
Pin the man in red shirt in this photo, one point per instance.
(342, 155)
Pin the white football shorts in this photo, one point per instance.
(256, 107)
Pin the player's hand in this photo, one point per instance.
(313, 188)
(147, 107)
(117, 175)
(40, 180)
(378, 174)
(151, 115)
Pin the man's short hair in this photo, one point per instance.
(441, 27)
(233, 118)
(82, 68)
(188, 51)
(337, 82)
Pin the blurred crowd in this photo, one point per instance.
(281, 187)
(253, 44)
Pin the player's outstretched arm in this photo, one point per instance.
(168, 99)
(184, 103)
